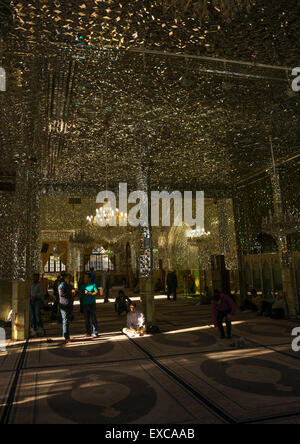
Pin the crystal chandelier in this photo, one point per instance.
(196, 236)
(280, 224)
(107, 216)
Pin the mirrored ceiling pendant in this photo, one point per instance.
(281, 222)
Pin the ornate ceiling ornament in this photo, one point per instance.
(81, 239)
(108, 234)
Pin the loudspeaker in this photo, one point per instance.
(45, 248)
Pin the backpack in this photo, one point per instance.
(63, 300)
(153, 329)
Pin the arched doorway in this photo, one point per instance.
(100, 259)
(54, 265)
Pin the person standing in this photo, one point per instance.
(106, 286)
(172, 284)
(36, 303)
(66, 301)
(223, 307)
(55, 310)
(89, 293)
(190, 283)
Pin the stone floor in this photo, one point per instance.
(185, 375)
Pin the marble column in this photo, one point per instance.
(129, 273)
(33, 133)
(71, 265)
(20, 307)
(80, 263)
(286, 259)
(218, 277)
(26, 260)
(146, 255)
(241, 274)
(223, 226)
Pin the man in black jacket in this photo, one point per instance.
(122, 303)
(172, 284)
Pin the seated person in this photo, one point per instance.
(278, 307)
(263, 307)
(121, 303)
(248, 305)
(257, 300)
(135, 321)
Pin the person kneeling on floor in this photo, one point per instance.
(135, 322)
(223, 307)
